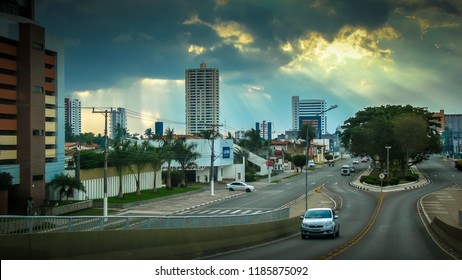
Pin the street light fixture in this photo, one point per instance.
(308, 149)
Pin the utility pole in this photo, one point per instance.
(308, 150)
(105, 206)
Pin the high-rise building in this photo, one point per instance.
(266, 129)
(309, 111)
(31, 106)
(118, 120)
(202, 96)
(72, 115)
(159, 128)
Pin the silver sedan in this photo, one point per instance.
(240, 186)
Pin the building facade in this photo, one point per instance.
(453, 133)
(31, 108)
(266, 130)
(309, 111)
(118, 119)
(73, 115)
(202, 98)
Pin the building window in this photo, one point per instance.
(37, 177)
(37, 132)
(37, 89)
(37, 46)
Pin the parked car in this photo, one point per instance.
(240, 186)
(320, 222)
(345, 171)
(311, 163)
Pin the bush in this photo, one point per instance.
(412, 177)
(459, 165)
(250, 177)
(370, 180)
(393, 181)
(176, 177)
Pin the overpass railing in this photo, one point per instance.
(47, 224)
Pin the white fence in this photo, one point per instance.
(94, 189)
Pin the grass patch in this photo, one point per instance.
(90, 212)
(148, 194)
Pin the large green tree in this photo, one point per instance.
(409, 131)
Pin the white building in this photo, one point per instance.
(118, 118)
(309, 111)
(73, 115)
(202, 97)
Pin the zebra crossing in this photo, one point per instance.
(221, 212)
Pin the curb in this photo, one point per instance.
(402, 187)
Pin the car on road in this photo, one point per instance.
(365, 159)
(240, 186)
(355, 161)
(352, 169)
(345, 171)
(320, 222)
(311, 163)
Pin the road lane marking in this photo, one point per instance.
(360, 235)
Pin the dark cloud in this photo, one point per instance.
(453, 7)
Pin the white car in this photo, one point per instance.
(311, 163)
(240, 186)
(355, 161)
(320, 222)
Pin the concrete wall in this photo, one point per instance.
(143, 244)
(452, 236)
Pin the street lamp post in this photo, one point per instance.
(388, 162)
(307, 152)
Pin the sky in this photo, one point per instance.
(351, 53)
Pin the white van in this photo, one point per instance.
(346, 170)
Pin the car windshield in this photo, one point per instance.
(318, 214)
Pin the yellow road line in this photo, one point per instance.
(360, 235)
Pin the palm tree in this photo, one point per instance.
(253, 140)
(118, 158)
(148, 133)
(168, 151)
(137, 161)
(156, 160)
(66, 185)
(240, 154)
(185, 156)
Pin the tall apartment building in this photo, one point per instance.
(73, 115)
(118, 119)
(31, 114)
(202, 96)
(266, 130)
(453, 124)
(309, 111)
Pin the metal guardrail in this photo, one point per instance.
(10, 225)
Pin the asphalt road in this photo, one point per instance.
(374, 226)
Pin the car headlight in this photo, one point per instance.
(329, 224)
